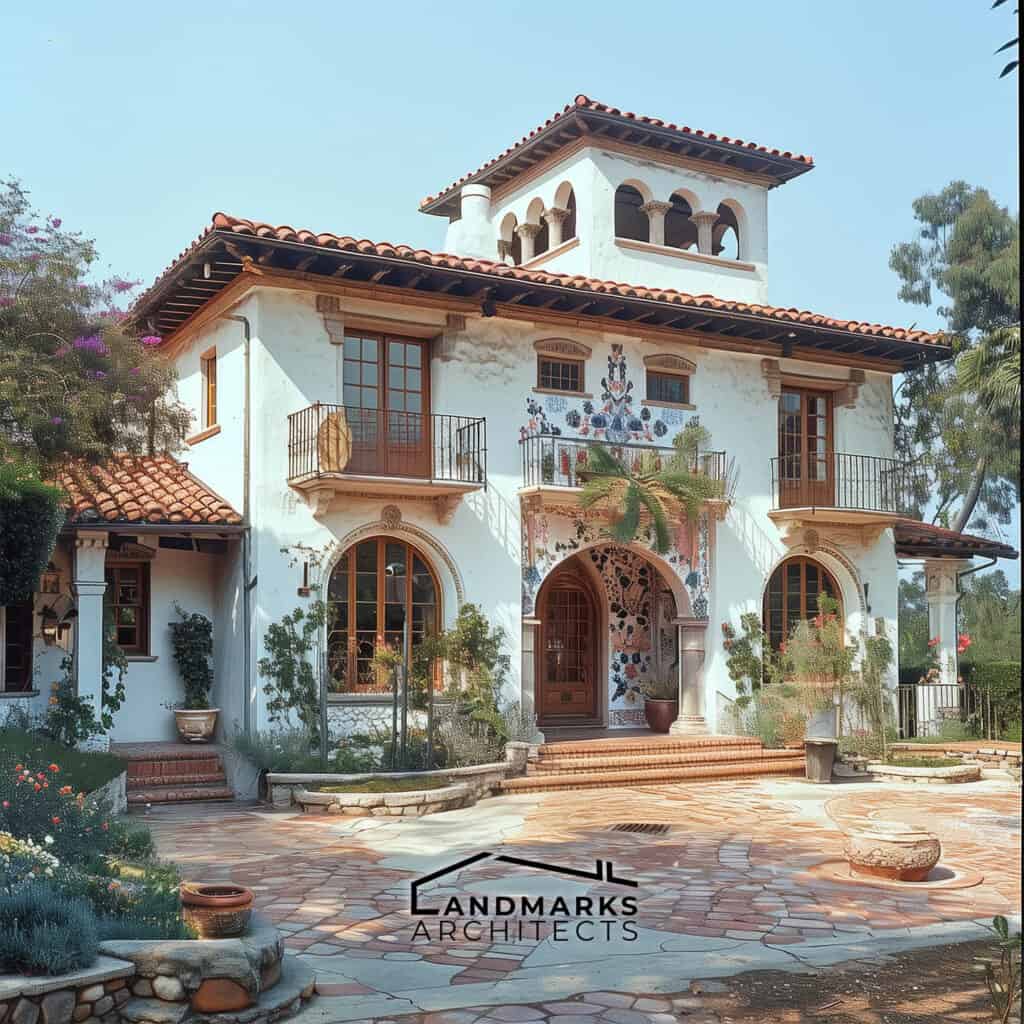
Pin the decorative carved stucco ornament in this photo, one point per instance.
(391, 516)
(811, 540)
(670, 363)
(562, 347)
(771, 370)
(847, 396)
(445, 506)
(329, 308)
(319, 500)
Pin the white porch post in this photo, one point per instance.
(88, 586)
(943, 588)
(529, 682)
(691, 720)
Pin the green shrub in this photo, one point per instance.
(1000, 680)
(31, 514)
(43, 931)
(192, 640)
(130, 841)
(83, 770)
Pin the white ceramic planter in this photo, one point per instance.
(196, 726)
(892, 850)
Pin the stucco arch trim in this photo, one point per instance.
(453, 589)
(845, 573)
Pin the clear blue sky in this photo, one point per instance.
(136, 121)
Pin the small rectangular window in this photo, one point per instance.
(16, 647)
(671, 388)
(127, 599)
(208, 365)
(560, 374)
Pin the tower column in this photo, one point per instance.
(691, 721)
(555, 216)
(528, 234)
(656, 211)
(705, 221)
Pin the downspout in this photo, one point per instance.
(247, 582)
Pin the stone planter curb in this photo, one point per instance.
(420, 802)
(106, 968)
(934, 776)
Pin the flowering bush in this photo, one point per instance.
(23, 861)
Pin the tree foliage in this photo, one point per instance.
(73, 382)
(31, 514)
(960, 422)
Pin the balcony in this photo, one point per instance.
(554, 467)
(335, 449)
(861, 490)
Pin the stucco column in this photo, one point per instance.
(555, 216)
(88, 586)
(943, 588)
(529, 682)
(705, 222)
(691, 720)
(528, 235)
(656, 211)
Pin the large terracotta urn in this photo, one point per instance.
(216, 910)
(660, 714)
(196, 725)
(892, 850)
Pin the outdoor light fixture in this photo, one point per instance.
(49, 581)
(867, 602)
(50, 625)
(207, 271)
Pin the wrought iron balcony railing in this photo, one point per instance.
(864, 483)
(336, 440)
(552, 461)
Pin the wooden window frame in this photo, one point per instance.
(653, 373)
(112, 576)
(805, 614)
(26, 684)
(349, 628)
(208, 371)
(581, 369)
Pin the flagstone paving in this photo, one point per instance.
(733, 885)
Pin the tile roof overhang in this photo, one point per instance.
(925, 540)
(230, 247)
(585, 117)
(144, 491)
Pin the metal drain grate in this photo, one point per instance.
(646, 828)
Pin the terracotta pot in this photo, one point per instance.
(891, 850)
(660, 714)
(196, 725)
(216, 910)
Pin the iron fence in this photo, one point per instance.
(837, 480)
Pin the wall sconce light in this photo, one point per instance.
(49, 626)
(49, 581)
(304, 590)
(867, 601)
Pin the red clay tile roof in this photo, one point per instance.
(920, 540)
(285, 233)
(582, 102)
(141, 489)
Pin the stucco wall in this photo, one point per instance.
(489, 370)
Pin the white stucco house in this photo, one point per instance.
(405, 429)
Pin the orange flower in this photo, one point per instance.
(53, 701)
(38, 787)
(18, 767)
(54, 768)
(65, 790)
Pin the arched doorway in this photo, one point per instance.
(568, 662)
(792, 596)
(381, 591)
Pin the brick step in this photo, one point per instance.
(622, 763)
(654, 745)
(655, 776)
(185, 793)
(185, 779)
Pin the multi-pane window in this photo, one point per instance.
(208, 365)
(559, 374)
(381, 593)
(16, 647)
(792, 596)
(127, 599)
(668, 388)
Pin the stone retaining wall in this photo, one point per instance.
(246, 980)
(413, 804)
(927, 776)
(482, 780)
(997, 757)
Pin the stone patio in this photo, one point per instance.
(729, 887)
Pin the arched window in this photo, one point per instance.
(535, 215)
(726, 235)
(381, 592)
(511, 244)
(569, 224)
(792, 595)
(680, 231)
(630, 220)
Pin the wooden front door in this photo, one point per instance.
(387, 403)
(806, 476)
(567, 654)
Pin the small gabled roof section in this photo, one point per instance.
(139, 490)
(585, 117)
(925, 540)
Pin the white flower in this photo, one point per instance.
(48, 840)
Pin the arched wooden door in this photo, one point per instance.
(567, 655)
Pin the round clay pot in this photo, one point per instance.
(891, 850)
(196, 725)
(217, 910)
(660, 714)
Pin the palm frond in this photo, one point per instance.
(624, 529)
(596, 489)
(662, 540)
(601, 462)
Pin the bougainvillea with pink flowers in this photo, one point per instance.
(74, 382)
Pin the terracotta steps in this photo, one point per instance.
(611, 762)
(173, 773)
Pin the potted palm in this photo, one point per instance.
(192, 641)
(661, 703)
